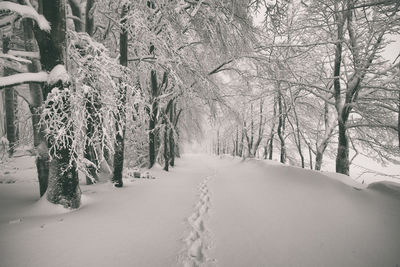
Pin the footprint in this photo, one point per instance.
(15, 221)
(199, 225)
(195, 250)
(197, 242)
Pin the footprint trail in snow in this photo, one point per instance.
(197, 241)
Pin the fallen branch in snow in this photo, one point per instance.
(21, 78)
(27, 12)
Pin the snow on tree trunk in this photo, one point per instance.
(63, 185)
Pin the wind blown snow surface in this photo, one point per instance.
(207, 211)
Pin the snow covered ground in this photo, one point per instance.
(207, 211)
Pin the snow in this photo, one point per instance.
(207, 211)
(58, 73)
(27, 12)
(23, 78)
(12, 57)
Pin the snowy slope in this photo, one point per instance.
(205, 212)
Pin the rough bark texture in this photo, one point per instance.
(89, 19)
(166, 154)
(39, 138)
(10, 97)
(120, 126)
(172, 116)
(63, 176)
(342, 158)
(153, 118)
(318, 160)
(76, 12)
(10, 108)
(281, 127)
(398, 120)
(260, 130)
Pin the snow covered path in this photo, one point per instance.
(141, 224)
(205, 212)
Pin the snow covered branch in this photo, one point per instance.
(26, 12)
(28, 54)
(12, 57)
(22, 78)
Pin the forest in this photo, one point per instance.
(95, 86)
(199, 133)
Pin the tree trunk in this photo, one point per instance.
(260, 130)
(39, 137)
(241, 142)
(10, 107)
(119, 146)
(10, 96)
(342, 158)
(153, 118)
(76, 11)
(172, 117)
(89, 19)
(318, 160)
(218, 152)
(63, 185)
(92, 119)
(310, 154)
(281, 127)
(166, 154)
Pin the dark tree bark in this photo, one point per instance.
(166, 153)
(281, 126)
(311, 161)
(39, 137)
(153, 118)
(63, 187)
(89, 18)
(270, 142)
(10, 105)
(250, 138)
(121, 117)
(236, 142)
(260, 130)
(172, 117)
(398, 120)
(218, 143)
(76, 12)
